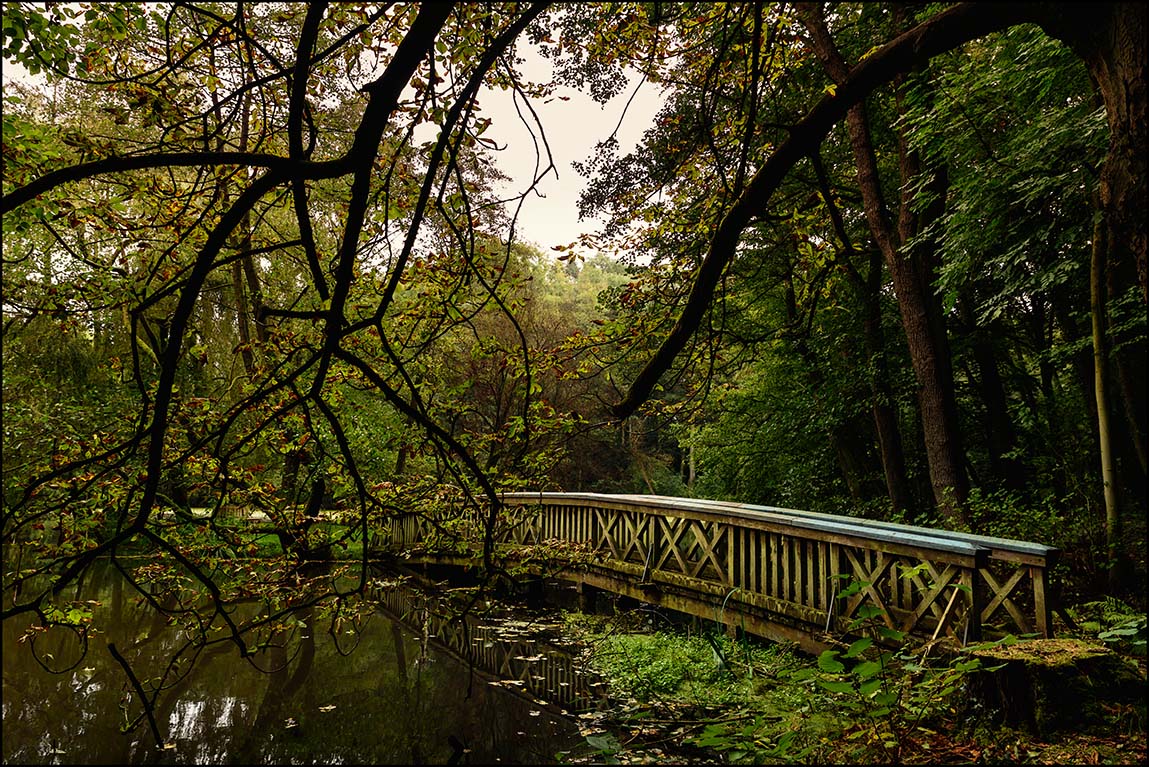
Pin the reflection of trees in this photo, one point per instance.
(394, 695)
(287, 673)
(411, 698)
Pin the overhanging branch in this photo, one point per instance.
(947, 30)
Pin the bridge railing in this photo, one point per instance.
(789, 565)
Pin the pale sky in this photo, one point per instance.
(573, 127)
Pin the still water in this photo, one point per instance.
(390, 692)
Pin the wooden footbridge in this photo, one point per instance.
(777, 573)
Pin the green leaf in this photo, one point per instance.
(802, 674)
(887, 698)
(885, 632)
(602, 742)
(829, 663)
(867, 669)
(858, 647)
(836, 686)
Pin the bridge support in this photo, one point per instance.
(587, 597)
(536, 592)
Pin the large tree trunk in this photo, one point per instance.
(1111, 39)
(912, 275)
(1128, 353)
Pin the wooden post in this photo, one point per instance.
(975, 600)
(833, 583)
(587, 598)
(733, 558)
(809, 548)
(1043, 617)
(774, 565)
(786, 585)
(536, 592)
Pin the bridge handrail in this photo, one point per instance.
(966, 553)
(1023, 552)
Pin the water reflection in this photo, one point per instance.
(395, 698)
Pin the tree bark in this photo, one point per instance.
(1104, 432)
(1111, 39)
(912, 275)
(868, 291)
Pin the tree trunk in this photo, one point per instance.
(868, 291)
(1104, 432)
(882, 396)
(1111, 39)
(1050, 685)
(1128, 352)
(851, 454)
(912, 278)
(1000, 438)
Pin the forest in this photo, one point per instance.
(879, 260)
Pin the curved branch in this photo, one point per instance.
(50, 181)
(942, 33)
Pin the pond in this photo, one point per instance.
(390, 691)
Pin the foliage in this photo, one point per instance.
(647, 666)
(888, 695)
(1115, 623)
(1130, 634)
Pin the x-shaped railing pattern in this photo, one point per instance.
(796, 563)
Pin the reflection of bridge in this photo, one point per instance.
(504, 653)
(777, 573)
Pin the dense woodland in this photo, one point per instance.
(875, 259)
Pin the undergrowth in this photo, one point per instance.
(696, 695)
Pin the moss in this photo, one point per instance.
(1049, 685)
